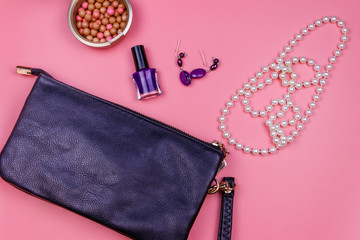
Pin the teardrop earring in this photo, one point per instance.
(186, 77)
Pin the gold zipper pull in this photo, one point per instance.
(23, 70)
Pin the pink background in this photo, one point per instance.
(310, 190)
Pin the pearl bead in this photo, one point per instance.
(340, 23)
(292, 82)
(282, 101)
(307, 84)
(284, 123)
(312, 105)
(255, 151)
(288, 62)
(235, 97)
(265, 69)
(311, 62)
(255, 113)
(226, 135)
(230, 104)
(280, 114)
(344, 30)
(252, 80)
(285, 108)
(304, 31)
(298, 85)
(308, 112)
(273, 134)
(332, 59)
(291, 89)
(304, 119)
(316, 97)
(282, 75)
(272, 65)
(341, 45)
(253, 88)
(274, 75)
(329, 66)
(293, 75)
(295, 133)
(263, 113)
(344, 38)
(247, 149)
(318, 75)
(283, 142)
(319, 89)
(268, 81)
(225, 111)
(302, 60)
(318, 22)
(241, 91)
(247, 94)
(298, 36)
(222, 127)
(222, 118)
(245, 102)
(268, 122)
(277, 126)
(333, 19)
(295, 60)
(292, 122)
(290, 103)
(272, 128)
(232, 141)
(274, 102)
(293, 42)
(247, 109)
(326, 19)
(272, 150)
(297, 116)
(261, 85)
(337, 52)
(287, 96)
(272, 117)
(276, 140)
(322, 82)
(282, 54)
(296, 109)
(277, 68)
(311, 26)
(290, 138)
(247, 85)
(326, 74)
(315, 81)
(264, 152)
(269, 108)
(317, 67)
(259, 74)
(285, 83)
(300, 126)
(279, 60)
(239, 146)
(288, 49)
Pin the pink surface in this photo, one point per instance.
(310, 190)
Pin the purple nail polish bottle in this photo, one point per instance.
(145, 78)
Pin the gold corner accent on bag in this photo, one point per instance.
(23, 70)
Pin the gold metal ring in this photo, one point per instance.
(214, 188)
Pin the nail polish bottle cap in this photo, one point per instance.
(139, 56)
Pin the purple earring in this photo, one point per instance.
(186, 77)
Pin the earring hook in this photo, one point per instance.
(177, 48)
(203, 58)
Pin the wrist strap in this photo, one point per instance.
(225, 224)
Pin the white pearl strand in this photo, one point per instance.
(281, 68)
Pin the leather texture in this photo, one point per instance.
(226, 214)
(108, 163)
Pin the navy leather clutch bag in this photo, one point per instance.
(131, 173)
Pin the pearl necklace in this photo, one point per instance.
(280, 70)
